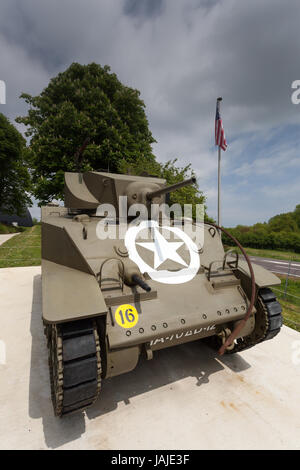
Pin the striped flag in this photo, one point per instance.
(219, 131)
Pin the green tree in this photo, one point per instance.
(281, 232)
(297, 215)
(84, 101)
(14, 175)
(283, 223)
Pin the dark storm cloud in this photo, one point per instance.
(181, 55)
(143, 8)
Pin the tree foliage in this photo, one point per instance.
(14, 175)
(281, 232)
(83, 101)
(89, 101)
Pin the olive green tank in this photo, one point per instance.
(115, 288)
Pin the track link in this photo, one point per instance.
(268, 322)
(75, 366)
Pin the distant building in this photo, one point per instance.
(13, 219)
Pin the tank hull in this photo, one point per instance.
(88, 289)
(167, 316)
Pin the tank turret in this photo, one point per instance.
(88, 190)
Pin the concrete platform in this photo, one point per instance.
(185, 398)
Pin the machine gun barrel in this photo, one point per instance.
(138, 280)
(170, 188)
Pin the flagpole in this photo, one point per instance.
(219, 177)
(219, 186)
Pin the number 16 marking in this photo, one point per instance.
(126, 316)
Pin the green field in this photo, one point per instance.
(22, 250)
(291, 314)
(284, 255)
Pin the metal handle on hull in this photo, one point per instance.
(242, 323)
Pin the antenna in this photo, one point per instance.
(79, 153)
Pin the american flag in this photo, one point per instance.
(219, 131)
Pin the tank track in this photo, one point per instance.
(75, 365)
(268, 322)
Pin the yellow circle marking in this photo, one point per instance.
(126, 316)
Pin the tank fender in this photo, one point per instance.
(263, 277)
(69, 294)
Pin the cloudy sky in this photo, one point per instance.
(181, 55)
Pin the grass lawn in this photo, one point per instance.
(284, 255)
(290, 304)
(291, 314)
(23, 249)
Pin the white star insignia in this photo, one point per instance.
(163, 249)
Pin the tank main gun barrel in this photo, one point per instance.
(170, 188)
